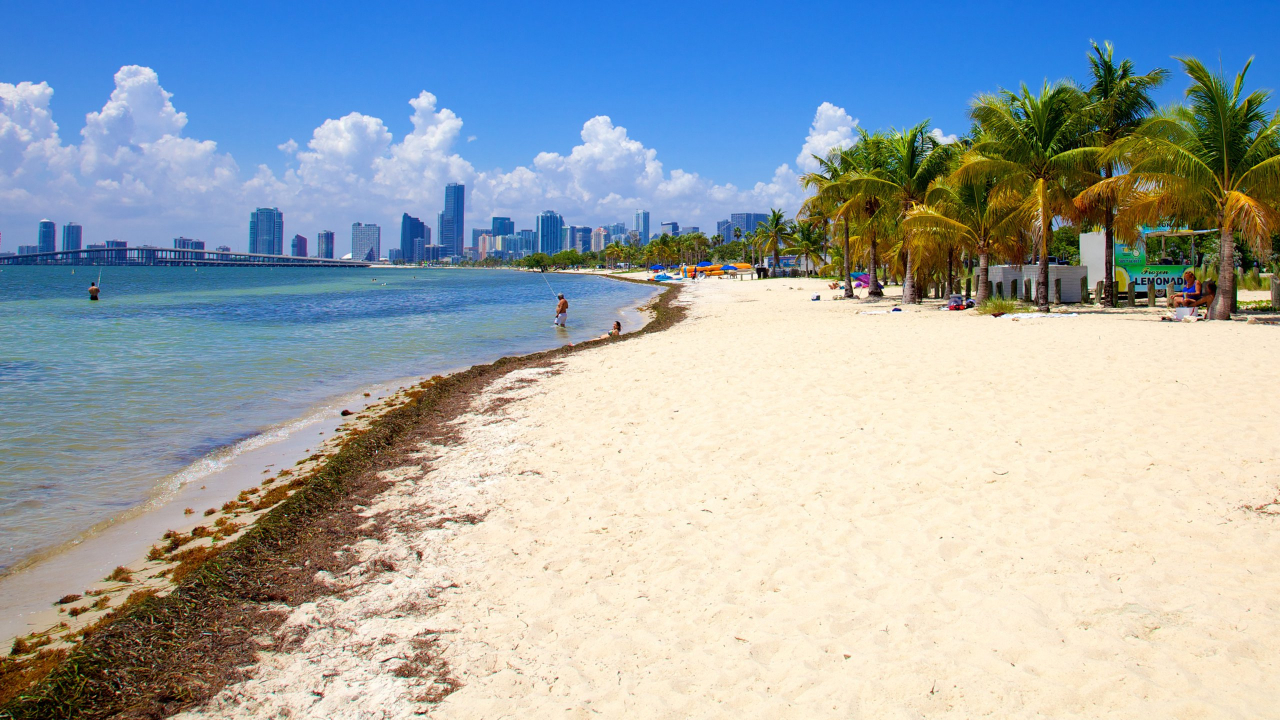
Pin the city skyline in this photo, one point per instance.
(129, 132)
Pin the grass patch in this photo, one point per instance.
(1003, 306)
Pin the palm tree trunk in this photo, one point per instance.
(1221, 309)
(908, 281)
(848, 281)
(1042, 289)
(951, 272)
(874, 289)
(1109, 250)
(984, 274)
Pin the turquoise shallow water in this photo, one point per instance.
(103, 403)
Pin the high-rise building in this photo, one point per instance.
(324, 244)
(747, 222)
(413, 237)
(642, 225)
(47, 237)
(615, 229)
(579, 238)
(266, 231)
(503, 226)
(394, 255)
(453, 217)
(599, 238)
(298, 248)
(722, 227)
(690, 230)
(28, 249)
(483, 245)
(671, 228)
(116, 249)
(366, 242)
(550, 225)
(527, 242)
(181, 243)
(72, 236)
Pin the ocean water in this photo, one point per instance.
(104, 406)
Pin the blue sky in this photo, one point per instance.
(724, 91)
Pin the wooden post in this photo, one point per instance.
(968, 287)
(990, 290)
(1027, 290)
(1275, 292)
(1151, 292)
(1131, 295)
(1057, 291)
(1084, 291)
(1098, 291)
(1000, 290)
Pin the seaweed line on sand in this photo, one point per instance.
(158, 654)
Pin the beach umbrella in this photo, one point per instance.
(704, 263)
(657, 267)
(728, 267)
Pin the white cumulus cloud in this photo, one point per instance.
(832, 128)
(135, 176)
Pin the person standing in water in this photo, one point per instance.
(562, 310)
(93, 291)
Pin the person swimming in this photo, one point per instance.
(93, 291)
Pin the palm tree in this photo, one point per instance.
(806, 243)
(894, 172)
(967, 214)
(614, 250)
(1032, 145)
(772, 235)
(1119, 100)
(1215, 161)
(828, 204)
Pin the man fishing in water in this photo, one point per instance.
(562, 310)
(93, 290)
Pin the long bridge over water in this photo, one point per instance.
(170, 256)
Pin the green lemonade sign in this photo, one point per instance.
(1132, 267)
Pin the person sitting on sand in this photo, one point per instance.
(615, 332)
(1206, 297)
(1191, 291)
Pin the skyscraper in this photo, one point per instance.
(747, 222)
(72, 236)
(615, 229)
(298, 248)
(324, 244)
(549, 226)
(579, 238)
(503, 226)
(527, 244)
(266, 231)
(642, 225)
(599, 238)
(453, 218)
(47, 237)
(413, 237)
(723, 227)
(671, 228)
(366, 242)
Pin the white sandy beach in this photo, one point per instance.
(784, 508)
